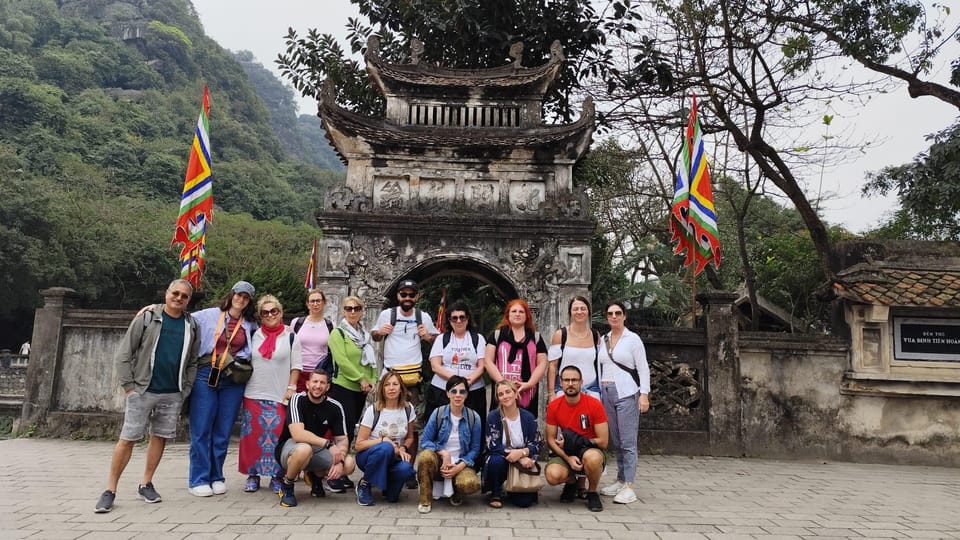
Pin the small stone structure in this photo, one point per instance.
(462, 177)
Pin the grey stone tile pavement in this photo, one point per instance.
(49, 488)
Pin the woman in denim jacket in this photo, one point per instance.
(445, 463)
(520, 446)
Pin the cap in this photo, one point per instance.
(244, 287)
(408, 284)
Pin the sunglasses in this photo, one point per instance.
(458, 318)
(407, 295)
(569, 381)
(458, 391)
(614, 314)
(271, 312)
(178, 294)
(352, 309)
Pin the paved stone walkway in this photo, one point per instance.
(49, 488)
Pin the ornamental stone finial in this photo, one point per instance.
(416, 50)
(516, 52)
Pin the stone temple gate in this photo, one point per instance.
(461, 177)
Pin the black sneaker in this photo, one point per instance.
(105, 504)
(287, 498)
(593, 502)
(569, 493)
(316, 485)
(148, 493)
(347, 483)
(412, 483)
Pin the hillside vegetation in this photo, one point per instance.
(98, 103)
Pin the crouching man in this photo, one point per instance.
(314, 440)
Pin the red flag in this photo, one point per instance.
(442, 311)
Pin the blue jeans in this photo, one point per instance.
(213, 412)
(623, 419)
(383, 470)
(495, 474)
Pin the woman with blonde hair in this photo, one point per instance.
(516, 351)
(355, 365)
(277, 362)
(385, 442)
(513, 439)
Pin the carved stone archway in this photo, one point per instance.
(462, 176)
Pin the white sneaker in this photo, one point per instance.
(626, 496)
(203, 490)
(612, 489)
(219, 487)
(424, 508)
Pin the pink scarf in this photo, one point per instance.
(270, 343)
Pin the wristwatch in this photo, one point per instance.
(328, 445)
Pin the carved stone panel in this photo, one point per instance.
(333, 256)
(437, 194)
(391, 192)
(481, 195)
(526, 197)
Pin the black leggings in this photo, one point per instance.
(353, 402)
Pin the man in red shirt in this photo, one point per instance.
(577, 435)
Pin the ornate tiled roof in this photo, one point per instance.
(393, 78)
(901, 285)
(377, 132)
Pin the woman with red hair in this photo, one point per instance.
(516, 352)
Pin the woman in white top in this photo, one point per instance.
(577, 344)
(275, 356)
(385, 442)
(624, 391)
(313, 331)
(458, 351)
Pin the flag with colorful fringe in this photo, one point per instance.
(196, 202)
(693, 217)
(311, 281)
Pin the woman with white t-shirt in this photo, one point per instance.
(513, 438)
(276, 365)
(314, 333)
(459, 351)
(574, 345)
(449, 448)
(384, 442)
(624, 391)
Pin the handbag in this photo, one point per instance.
(238, 372)
(411, 374)
(519, 479)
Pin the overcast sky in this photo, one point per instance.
(259, 26)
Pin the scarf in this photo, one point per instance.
(361, 338)
(270, 340)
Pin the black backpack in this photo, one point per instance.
(596, 349)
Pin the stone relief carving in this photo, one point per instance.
(482, 196)
(391, 193)
(526, 197)
(535, 271)
(371, 264)
(342, 197)
(437, 194)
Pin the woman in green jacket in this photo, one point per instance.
(355, 365)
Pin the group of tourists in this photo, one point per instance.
(314, 404)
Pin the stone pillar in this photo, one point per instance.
(45, 355)
(723, 373)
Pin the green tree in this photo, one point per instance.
(928, 190)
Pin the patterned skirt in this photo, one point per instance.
(260, 428)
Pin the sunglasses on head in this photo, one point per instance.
(407, 294)
(458, 318)
(352, 309)
(271, 312)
